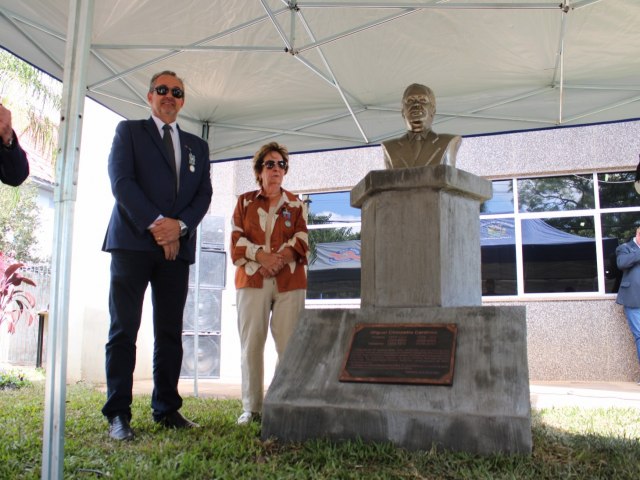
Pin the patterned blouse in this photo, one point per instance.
(255, 225)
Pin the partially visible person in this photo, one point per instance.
(269, 247)
(628, 260)
(160, 178)
(420, 146)
(14, 166)
(612, 272)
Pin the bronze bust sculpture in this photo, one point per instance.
(420, 146)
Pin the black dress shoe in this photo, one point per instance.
(176, 420)
(119, 428)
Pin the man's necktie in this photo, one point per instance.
(422, 136)
(168, 143)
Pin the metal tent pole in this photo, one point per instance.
(78, 40)
(196, 309)
(196, 293)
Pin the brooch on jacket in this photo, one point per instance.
(286, 214)
(192, 159)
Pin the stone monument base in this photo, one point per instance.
(485, 410)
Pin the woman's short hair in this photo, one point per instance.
(258, 158)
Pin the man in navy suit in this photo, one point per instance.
(628, 260)
(14, 166)
(162, 190)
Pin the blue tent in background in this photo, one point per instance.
(338, 256)
(535, 231)
(540, 241)
(335, 271)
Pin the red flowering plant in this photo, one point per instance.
(15, 301)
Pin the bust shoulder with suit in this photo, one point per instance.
(420, 146)
(160, 180)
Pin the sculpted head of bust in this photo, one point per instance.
(420, 146)
(418, 107)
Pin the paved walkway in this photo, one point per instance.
(543, 394)
(585, 394)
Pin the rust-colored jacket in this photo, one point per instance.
(249, 234)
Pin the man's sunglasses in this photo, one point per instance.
(177, 92)
(270, 164)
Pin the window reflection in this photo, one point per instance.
(551, 194)
(502, 200)
(616, 190)
(334, 271)
(334, 263)
(498, 252)
(555, 259)
(334, 207)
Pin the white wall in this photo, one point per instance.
(88, 301)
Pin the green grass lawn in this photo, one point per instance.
(568, 443)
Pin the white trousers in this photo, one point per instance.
(259, 309)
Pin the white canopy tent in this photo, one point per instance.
(318, 75)
(330, 74)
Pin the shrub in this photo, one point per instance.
(14, 300)
(13, 380)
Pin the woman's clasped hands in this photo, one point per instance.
(271, 263)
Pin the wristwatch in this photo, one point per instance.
(183, 228)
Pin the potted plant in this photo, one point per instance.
(15, 301)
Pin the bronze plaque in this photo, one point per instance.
(401, 353)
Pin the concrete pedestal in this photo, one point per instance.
(420, 236)
(420, 265)
(486, 409)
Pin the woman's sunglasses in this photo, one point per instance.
(270, 164)
(177, 92)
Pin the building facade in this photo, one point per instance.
(563, 200)
(571, 186)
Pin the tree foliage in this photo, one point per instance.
(19, 222)
(35, 101)
(552, 194)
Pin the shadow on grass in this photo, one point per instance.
(568, 443)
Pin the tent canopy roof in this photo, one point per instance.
(317, 75)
